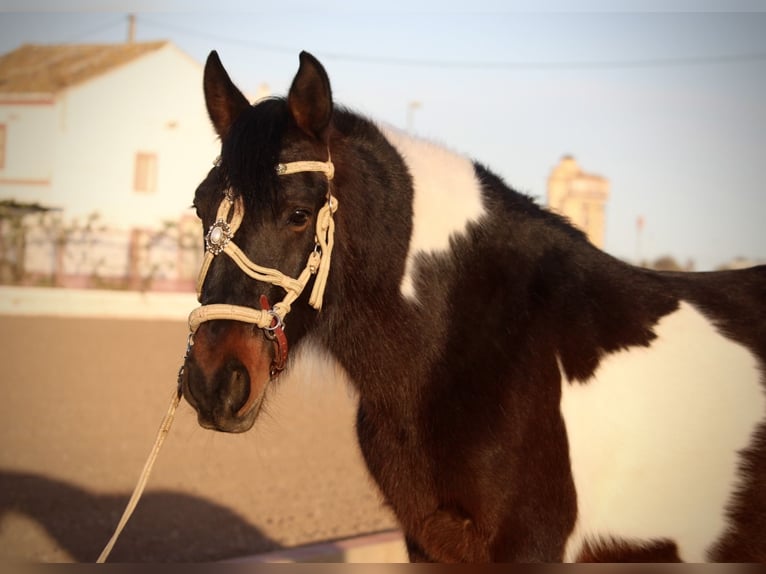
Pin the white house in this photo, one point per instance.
(119, 130)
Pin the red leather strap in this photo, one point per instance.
(279, 338)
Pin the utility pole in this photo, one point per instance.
(131, 28)
(411, 107)
(640, 222)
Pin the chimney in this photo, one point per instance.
(131, 28)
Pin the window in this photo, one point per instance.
(2, 145)
(145, 175)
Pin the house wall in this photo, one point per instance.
(27, 169)
(580, 197)
(152, 105)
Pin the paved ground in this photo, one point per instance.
(81, 402)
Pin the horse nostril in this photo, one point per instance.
(189, 375)
(238, 390)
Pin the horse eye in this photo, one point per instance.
(298, 218)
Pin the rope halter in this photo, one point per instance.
(220, 239)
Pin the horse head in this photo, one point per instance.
(266, 208)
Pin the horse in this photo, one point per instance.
(522, 395)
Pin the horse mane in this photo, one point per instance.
(527, 206)
(252, 149)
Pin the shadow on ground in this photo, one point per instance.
(165, 527)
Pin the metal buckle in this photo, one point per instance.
(270, 331)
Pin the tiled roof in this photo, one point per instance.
(35, 68)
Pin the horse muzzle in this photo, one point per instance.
(226, 373)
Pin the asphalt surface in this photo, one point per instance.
(81, 402)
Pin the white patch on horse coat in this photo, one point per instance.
(447, 197)
(313, 365)
(654, 437)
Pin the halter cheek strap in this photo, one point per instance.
(219, 239)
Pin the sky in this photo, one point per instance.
(665, 100)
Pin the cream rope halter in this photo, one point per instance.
(219, 239)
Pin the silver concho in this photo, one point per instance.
(217, 237)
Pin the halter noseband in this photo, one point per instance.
(219, 239)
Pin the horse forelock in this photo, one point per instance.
(250, 153)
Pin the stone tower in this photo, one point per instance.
(579, 196)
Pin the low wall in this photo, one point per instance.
(52, 301)
(382, 547)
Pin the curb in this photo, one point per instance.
(381, 547)
(63, 302)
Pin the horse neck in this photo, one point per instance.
(555, 285)
(365, 322)
(374, 220)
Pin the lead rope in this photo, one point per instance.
(144, 478)
(163, 431)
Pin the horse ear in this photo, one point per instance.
(310, 97)
(224, 101)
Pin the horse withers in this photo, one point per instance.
(522, 395)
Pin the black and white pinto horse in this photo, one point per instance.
(523, 396)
